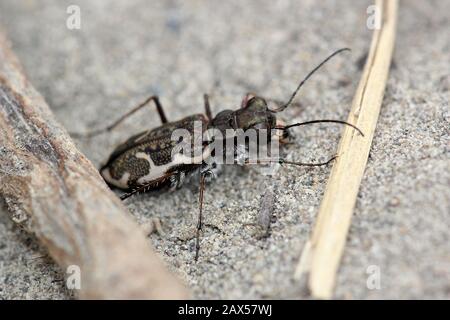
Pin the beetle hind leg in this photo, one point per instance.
(159, 109)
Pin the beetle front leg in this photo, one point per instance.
(283, 136)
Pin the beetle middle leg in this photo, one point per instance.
(207, 107)
(159, 109)
(200, 217)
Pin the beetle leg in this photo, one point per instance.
(281, 135)
(176, 181)
(199, 222)
(207, 107)
(159, 108)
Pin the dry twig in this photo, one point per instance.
(55, 192)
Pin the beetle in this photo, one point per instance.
(146, 161)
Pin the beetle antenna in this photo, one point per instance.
(320, 121)
(283, 107)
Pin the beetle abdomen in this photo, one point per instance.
(147, 156)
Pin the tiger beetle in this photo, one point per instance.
(144, 162)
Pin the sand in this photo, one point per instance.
(128, 50)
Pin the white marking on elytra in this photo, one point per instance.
(120, 183)
(154, 171)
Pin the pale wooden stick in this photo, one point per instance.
(324, 249)
(56, 193)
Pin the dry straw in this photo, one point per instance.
(322, 253)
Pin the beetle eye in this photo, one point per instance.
(250, 101)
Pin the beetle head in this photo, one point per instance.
(254, 115)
